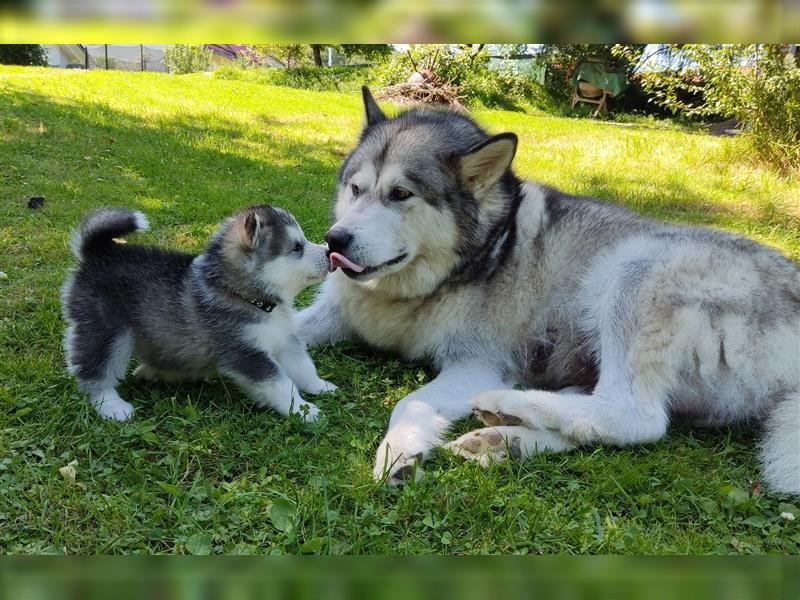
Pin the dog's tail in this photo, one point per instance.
(100, 227)
(780, 448)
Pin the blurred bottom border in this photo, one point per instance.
(440, 578)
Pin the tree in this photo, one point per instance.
(369, 52)
(508, 50)
(291, 55)
(316, 50)
(185, 58)
(23, 54)
(295, 55)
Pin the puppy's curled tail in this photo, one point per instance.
(780, 448)
(100, 227)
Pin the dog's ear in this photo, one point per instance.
(253, 227)
(483, 164)
(372, 111)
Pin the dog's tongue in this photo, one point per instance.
(340, 260)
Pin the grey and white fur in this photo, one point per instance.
(615, 323)
(185, 317)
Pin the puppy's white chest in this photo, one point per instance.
(272, 334)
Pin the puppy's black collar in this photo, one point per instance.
(267, 303)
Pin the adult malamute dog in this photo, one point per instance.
(616, 321)
(228, 309)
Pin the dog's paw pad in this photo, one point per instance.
(486, 446)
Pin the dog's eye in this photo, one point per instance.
(354, 189)
(399, 193)
(298, 247)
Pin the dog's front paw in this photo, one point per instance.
(395, 471)
(487, 446)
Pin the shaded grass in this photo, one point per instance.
(199, 470)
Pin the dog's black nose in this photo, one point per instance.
(338, 240)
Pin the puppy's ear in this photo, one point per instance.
(483, 164)
(253, 228)
(372, 111)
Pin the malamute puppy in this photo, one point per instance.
(228, 310)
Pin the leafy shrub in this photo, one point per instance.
(183, 58)
(758, 85)
(341, 79)
(23, 54)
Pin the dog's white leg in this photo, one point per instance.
(420, 419)
(98, 366)
(299, 367)
(321, 324)
(106, 401)
(279, 393)
(265, 383)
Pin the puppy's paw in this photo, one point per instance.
(321, 387)
(115, 409)
(308, 411)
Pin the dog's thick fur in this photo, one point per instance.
(617, 322)
(228, 309)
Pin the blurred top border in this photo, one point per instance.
(399, 21)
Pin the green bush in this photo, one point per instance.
(23, 54)
(341, 79)
(183, 58)
(758, 85)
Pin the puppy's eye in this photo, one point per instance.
(354, 189)
(298, 247)
(399, 193)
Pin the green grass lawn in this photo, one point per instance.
(198, 469)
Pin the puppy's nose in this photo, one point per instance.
(338, 240)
